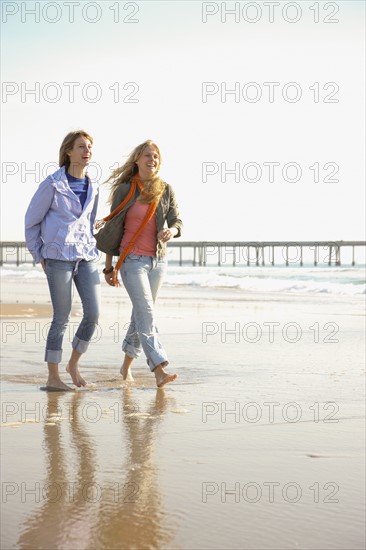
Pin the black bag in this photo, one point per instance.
(110, 235)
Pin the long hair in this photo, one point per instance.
(68, 144)
(123, 174)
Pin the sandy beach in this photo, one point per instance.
(257, 445)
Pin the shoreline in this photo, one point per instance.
(39, 287)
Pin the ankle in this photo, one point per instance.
(72, 366)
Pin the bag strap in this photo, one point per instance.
(149, 214)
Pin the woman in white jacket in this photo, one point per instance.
(59, 234)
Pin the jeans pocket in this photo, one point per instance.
(133, 258)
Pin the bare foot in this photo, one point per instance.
(126, 374)
(125, 369)
(75, 375)
(164, 378)
(56, 384)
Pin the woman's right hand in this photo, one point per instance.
(43, 264)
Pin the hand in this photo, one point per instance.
(43, 264)
(166, 234)
(109, 278)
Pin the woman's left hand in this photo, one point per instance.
(166, 234)
(108, 277)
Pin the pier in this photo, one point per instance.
(247, 253)
(263, 253)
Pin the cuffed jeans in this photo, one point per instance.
(60, 275)
(142, 277)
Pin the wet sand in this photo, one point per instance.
(258, 444)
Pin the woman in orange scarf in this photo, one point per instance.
(150, 219)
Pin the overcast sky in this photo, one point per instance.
(257, 107)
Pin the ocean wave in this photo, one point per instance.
(271, 280)
(333, 281)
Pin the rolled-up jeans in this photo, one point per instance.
(60, 275)
(142, 277)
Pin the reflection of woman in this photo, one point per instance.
(66, 513)
(136, 518)
(58, 232)
(149, 206)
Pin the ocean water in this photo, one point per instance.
(304, 280)
(311, 280)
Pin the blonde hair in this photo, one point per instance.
(153, 187)
(68, 144)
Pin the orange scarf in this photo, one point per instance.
(148, 216)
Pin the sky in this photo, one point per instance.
(257, 108)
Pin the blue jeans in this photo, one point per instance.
(60, 275)
(142, 277)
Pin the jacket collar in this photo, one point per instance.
(60, 183)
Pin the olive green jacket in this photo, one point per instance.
(166, 211)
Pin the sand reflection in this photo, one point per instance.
(101, 487)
